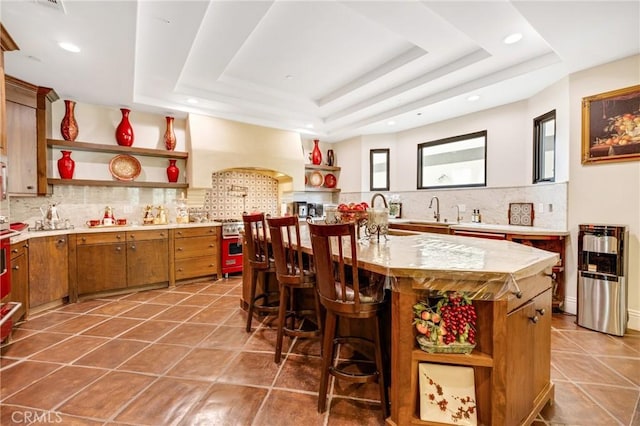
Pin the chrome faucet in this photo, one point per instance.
(436, 214)
(458, 217)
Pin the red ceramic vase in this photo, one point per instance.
(68, 125)
(316, 154)
(124, 132)
(169, 135)
(66, 165)
(173, 171)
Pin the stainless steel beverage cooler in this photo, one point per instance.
(602, 278)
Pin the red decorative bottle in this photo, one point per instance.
(173, 171)
(124, 132)
(66, 165)
(316, 154)
(169, 135)
(68, 125)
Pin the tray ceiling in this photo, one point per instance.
(328, 69)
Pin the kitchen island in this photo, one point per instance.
(511, 288)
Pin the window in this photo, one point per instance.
(459, 161)
(544, 148)
(379, 169)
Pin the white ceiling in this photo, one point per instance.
(329, 69)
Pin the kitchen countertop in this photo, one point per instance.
(488, 227)
(25, 235)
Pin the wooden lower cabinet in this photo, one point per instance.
(116, 260)
(20, 278)
(147, 258)
(197, 252)
(48, 270)
(511, 361)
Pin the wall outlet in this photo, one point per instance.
(549, 207)
(462, 208)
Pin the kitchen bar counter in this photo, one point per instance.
(511, 288)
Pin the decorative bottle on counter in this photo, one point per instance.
(66, 165)
(169, 135)
(124, 132)
(316, 154)
(68, 125)
(330, 158)
(173, 171)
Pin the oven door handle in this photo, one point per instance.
(8, 315)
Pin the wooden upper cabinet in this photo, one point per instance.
(6, 45)
(28, 112)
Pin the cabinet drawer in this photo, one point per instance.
(159, 234)
(100, 238)
(195, 247)
(196, 267)
(197, 232)
(529, 287)
(19, 249)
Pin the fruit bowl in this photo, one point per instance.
(347, 216)
(436, 348)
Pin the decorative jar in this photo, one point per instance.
(169, 135)
(172, 171)
(66, 165)
(69, 125)
(124, 131)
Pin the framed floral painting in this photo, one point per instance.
(611, 126)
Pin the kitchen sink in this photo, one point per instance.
(422, 226)
(428, 223)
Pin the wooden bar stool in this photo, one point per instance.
(261, 265)
(330, 244)
(293, 277)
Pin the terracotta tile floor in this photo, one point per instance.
(181, 356)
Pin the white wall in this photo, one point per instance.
(604, 193)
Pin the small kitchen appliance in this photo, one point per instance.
(602, 278)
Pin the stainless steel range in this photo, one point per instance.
(231, 246)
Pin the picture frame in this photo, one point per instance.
(611, 126)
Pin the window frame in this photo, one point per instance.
(474, 135)
(538, 147)
(372, 152)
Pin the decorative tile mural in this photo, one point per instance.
(234, 192)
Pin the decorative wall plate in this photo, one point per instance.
(125, 167)
(330, 180)
(315, 179)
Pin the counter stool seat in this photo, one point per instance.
(293, 277)
(261, 265)
(342, 296)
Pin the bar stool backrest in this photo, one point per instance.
(287, 251)
(255, 229)
(330, 245)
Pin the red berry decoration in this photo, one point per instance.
(449, 326)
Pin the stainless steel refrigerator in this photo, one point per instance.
(602, 278)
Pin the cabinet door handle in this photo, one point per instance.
(14, 250)
(534, 319)
(518, 294)
(162, 234)
(61, 241)
(541, 311)
(118, 248)
(179, 269)
(118, 237)
(29, 186)
(15, 268)
(133, 247)
(179, 232)
(84, 239)
(179, 248)
(210, 245)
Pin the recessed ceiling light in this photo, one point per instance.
(192, 101)
(391, 123)
(69, 47)
(512, 38)
(309, 126)
(473, 98)
(418, 113)
(288, 77)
